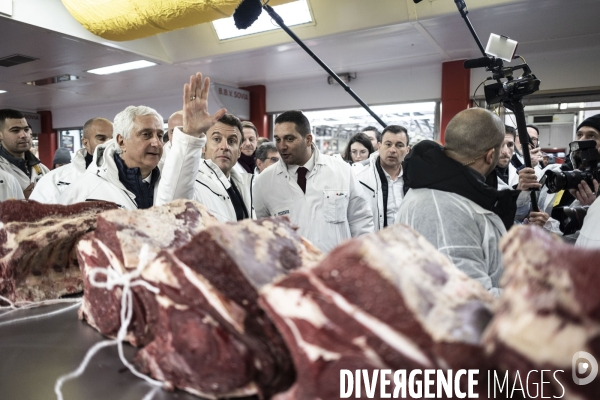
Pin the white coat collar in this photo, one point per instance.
(210, 168)
(281, 166)
(79, 159)
(103, 164)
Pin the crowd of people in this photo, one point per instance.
(461, 196)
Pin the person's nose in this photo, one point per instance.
(156, 141)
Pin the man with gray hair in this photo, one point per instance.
(124, 170)
(266, 154)
(48, 190)
(449, 202)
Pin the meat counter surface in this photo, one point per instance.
(35, 352)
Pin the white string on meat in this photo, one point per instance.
(127, 280)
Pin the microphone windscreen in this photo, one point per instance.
(246, 13)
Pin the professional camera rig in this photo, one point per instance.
(507, 90)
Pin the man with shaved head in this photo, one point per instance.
(449, 202)
(48, 190)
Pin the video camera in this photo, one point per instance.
(586, 164)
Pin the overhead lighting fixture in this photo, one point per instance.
(113, 69)
(562, 106)
(53, 79)
(294, 13)
(2, 91)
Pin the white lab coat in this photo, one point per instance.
(371, 184)
(459, 228)
(187, 176)
(101, 181)
(166, 149)
(238, 168)
(9, 187)
(37, 172)
(589, 236)
(333, 209)
(50, 186)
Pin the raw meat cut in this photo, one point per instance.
(37, 261)
(387, 300)
(549, 311)
(204, 331)
(212, 338)
(123, 233)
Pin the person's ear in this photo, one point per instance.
(309, 140)
(489, 156)
(121, 142)
(378, 146)
(408, 149)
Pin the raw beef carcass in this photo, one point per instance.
(212, 338)
(549, 312)
(117, 242)
(37, 261)
(387, 300)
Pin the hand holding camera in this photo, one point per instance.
(584, 193)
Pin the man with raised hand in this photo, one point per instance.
(211, 181)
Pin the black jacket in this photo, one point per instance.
(428, 167)
(131, 178)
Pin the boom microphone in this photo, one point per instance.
(246, 13)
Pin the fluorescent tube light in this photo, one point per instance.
(113, 69)
(2, 91)
(294, 13)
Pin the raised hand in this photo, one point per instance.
(196, 118)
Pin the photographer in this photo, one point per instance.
(588, 130)
(570, 194)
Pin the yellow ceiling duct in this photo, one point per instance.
(122, 20)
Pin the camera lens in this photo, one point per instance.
(557, 181)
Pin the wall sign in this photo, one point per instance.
(236, 101)
(34, 120)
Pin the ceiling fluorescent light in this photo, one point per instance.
(294, 13)
(2, 91)
(113, 69)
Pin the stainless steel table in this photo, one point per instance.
(34, 353)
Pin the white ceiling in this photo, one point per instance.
(349, 35)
